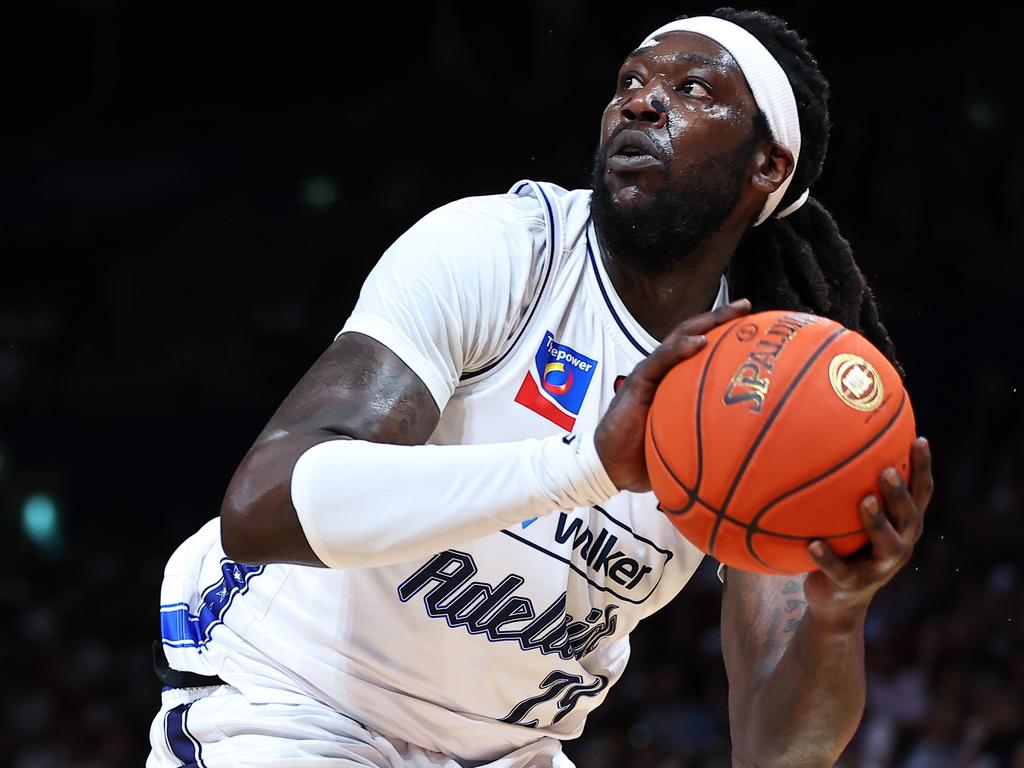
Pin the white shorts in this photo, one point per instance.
(216, 727)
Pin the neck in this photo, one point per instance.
(661, 300)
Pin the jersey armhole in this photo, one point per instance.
(554, 224)
(518, 332)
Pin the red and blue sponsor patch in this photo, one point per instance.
(556, 384)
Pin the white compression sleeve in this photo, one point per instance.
(365, 504)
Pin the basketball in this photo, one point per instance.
(772, 435)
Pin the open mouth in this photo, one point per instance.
(632, 150)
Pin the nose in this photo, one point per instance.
(643, 105)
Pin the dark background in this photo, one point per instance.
(190, 199)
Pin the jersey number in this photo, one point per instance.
(558, 683)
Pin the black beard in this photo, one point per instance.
(660, 234)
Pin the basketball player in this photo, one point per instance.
(434, 553)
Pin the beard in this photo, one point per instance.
(660, 233)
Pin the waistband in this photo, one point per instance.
(174, 678)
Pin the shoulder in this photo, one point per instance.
(528, 209)
(510, 239)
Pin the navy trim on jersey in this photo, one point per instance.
(608, 301)
(552, 243)
(667, 552)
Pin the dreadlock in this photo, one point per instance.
(802, 262)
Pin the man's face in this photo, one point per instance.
(676, 147)
(676, 103)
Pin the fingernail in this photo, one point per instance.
(737, 302)
(818, 549)
(927, 446)
(870, 505)
(891, 478)
(700, 340)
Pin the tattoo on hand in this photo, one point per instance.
(792, 587)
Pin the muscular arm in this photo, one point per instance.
(796, 686)
(794, 645)
(360, 390)
(357, 389)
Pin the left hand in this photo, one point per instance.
(839, 593)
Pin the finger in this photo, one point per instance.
(921, 482)
(830, 563)
(897, 499)
(705, 321)
(885, 541)
(667, 356)
(685, 340)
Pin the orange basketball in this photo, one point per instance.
(772, 435)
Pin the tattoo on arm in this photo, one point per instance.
(793, 604)
(761, 615)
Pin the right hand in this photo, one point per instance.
(619, 438)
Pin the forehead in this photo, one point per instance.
(673, 48)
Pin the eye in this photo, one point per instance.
(695, 88)
(630, 82)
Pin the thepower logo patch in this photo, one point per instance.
(557, 383)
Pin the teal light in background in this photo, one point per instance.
(983, 114)
(320, 192)
(40, 521)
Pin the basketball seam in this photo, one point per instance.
(878, 436)
(791, 537)
(693, 494)
(736, 521)
(764, 430)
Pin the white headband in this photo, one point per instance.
(768, 83)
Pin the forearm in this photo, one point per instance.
(369, 504)
(794, 645)
(362, 504)
(804, 712)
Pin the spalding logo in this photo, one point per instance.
(749, 385)
(856, 382)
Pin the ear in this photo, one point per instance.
(773, 163)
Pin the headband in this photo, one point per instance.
(769, 84)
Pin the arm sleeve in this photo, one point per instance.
(366, 504)
(450, 292)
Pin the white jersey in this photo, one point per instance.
(502, 306)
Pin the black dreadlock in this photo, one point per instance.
(802, 262)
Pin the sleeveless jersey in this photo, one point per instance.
(502, 306)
